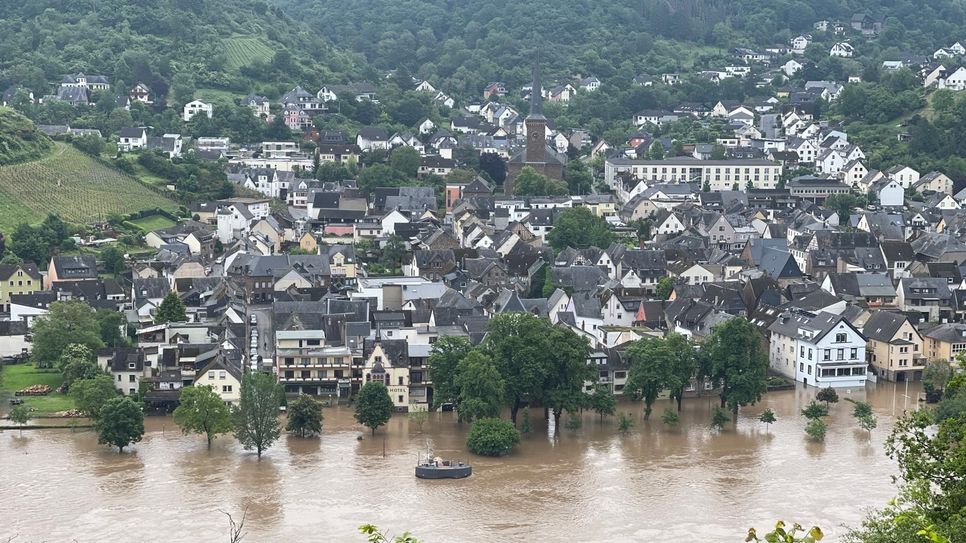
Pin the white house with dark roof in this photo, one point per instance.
(820, 350)
(131, 139)
(195, 107)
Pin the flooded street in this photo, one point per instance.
(589, 485)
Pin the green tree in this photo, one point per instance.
(90, 395)
(444, 358)
(525, 426)
(863, 414)
(933, 469)
(373, 405)
(767, 417)
(827, 395)
(77, 362)
(89, 145)
(719, 418)
(867, 423)
(656, 151)
(405, 160)
(304, 416)
(480, 388)
(737, 363)
(29, 243)
(494, 166)
(664, 288)
(650, 359)
(21, 415)
(936, 375)
(172, 309)
(492, 437)
(816, 428)
(578, 177)
(201, 411)
(670, 417)
(579, 228)
(392, 252)
(624, 423)
(563, 387)
(530, 183)
(113, 260)
(681, 366)
(814, 410)
(418, 418)
(65, 323)
(843, 204)
(120, 422)
(603, 402)
(575, 421)
(256, 417)
(111, 324)
(519, 345)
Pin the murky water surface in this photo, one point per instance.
(655, 484)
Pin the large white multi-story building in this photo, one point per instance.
(821, 349)
(717, 174)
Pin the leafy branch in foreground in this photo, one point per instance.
(375, 536)
(797, 534)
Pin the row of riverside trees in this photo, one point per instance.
(525, 360)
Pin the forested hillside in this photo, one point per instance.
(20, 140)
(463, 44)
(236, 45)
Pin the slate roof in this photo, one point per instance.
(883, 325)
(792, 324)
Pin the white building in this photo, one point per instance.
(820, 350)
(717, 174)
(195, 107)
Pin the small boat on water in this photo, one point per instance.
(443, 469)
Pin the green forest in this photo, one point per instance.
(236, 45)
(19, 138)
(462, 45)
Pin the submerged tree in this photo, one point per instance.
(827, 395)
(120, 423)
(624, 423)
(719, 418)
(202, 411)
(256, 417)
(304, 416)
(767, 417)
(737, 362)
(374, 407)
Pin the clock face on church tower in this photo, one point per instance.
(534, 135)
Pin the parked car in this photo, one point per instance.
(253, 319)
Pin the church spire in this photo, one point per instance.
(536, 96)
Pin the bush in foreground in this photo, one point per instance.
(492, 437)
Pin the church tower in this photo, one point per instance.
(535, 153)
(536, 123)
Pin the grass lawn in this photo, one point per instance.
(20, 376)
(154, 222)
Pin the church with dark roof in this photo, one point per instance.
(536, 154)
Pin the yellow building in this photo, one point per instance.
(308, 243)
(945, 341)
(895, 348)
(225, 381)
(601, 205)
(18, 279)
(387, 361)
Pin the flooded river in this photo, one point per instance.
(655, 484)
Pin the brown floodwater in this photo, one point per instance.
(654, 484)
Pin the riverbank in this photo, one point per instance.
(589, 484)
